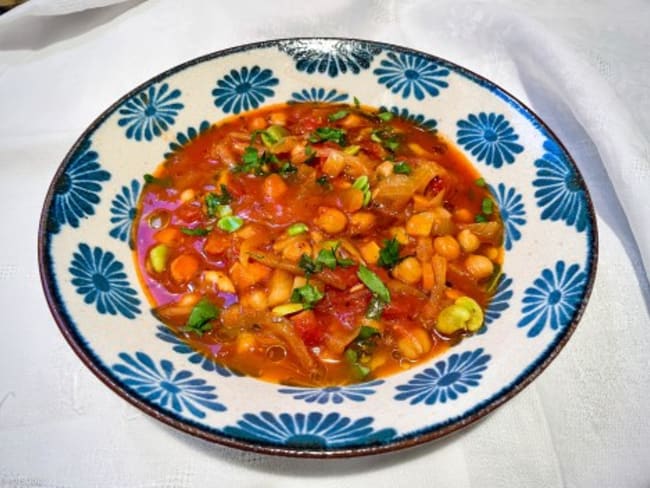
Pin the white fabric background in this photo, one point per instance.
(582, 65)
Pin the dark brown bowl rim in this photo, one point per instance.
(436, 431)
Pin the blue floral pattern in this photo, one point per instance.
(553, 298)
(319, 95)
(334, 394)
(560, 193)
(499, 302)
(162, 385)
(314, 430)
(76, 191)
(151, 112)
(513, 213)
(245, 89)
(100, 279)
(184, 138)
(123, 211)
(339, 59)
(446, 380)
(193, 356)
(418, 119)
(489, 137)
(411, 75)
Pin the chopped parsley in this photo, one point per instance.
(328, 134)
(214, 201)
(308, 295)
(402, 168)
(389, 254)
(201, 316)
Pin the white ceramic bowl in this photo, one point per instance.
(90, 282)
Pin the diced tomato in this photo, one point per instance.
(308, 328)
(189, 213)
(402, 306)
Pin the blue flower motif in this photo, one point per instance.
(499, 302)
(418, 119)
(314, 430)
(182, 139)
(194, 357)
(245, 89)
(100, 279)
(553, 298)
(446, 380)
(318, 95)
(123, 210)
(312, 57)
(334, 394)
(489, 137)
(560, 193)
(408, 74)
(76, 191)
(512, 212)
(161, 385)
(150, 113)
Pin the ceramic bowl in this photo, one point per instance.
(89, 277)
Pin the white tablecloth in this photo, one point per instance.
(583, 423)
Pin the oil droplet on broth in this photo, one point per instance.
(158, 219)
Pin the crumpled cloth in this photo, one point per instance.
(582, 66)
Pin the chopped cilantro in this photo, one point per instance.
(251, 162)
(328, 134)
(308, 295)
(374, 283)
(324, 181)
(327, 258)
(389, 254)
(213, 201)
(341, 114)
(308, 265)
(201, 316)
(402, 168)
(287, 169)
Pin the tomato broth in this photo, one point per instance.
(318, 244)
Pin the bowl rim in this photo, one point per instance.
(79, 345)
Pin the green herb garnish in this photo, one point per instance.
(297, 229)
(308, 265)
(152, 180)
(366, 332)
(201, 316)
(287, 169)
(324, 181)
(341, 114)
(356, 101)
(389, 254)
(327, 258)
(362, 183)
(374, 283)
(308, 295)
(196, 231)
(385, 116)
(230, 223)
(480, 218)
(402, 168)
(328, 134)
(487, 206)
(251, 162)
(480, 182)
(213, 201)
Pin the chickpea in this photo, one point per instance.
(370, 252)
(385, 169)
(414, 344)
(447, 247)
(361, 222)
(420, 224)
(408, 271)
(479, 266)
(468, 240)
(331, 220)
(255, 299)
(296, 249)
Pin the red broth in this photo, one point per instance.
(318, 244)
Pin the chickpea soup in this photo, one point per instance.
(318, 244)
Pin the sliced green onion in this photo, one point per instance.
(487, 206)
(230, 223)
(341, 114)
(402, 168)
(385, 116)
(297, 229)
